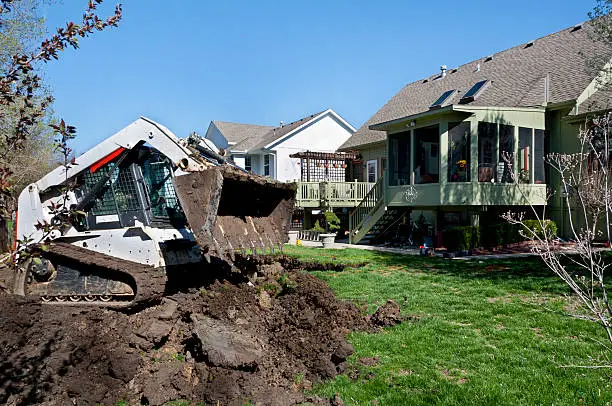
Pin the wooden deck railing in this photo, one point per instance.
(331, 194)
(308, 192)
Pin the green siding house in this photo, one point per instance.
(446, 144)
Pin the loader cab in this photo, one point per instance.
(134, 187)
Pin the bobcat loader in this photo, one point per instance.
(106, 229)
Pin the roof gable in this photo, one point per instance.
(236, 132)
(518, 77)
(279, 134)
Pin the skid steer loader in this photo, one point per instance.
(139, 202)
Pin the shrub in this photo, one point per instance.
(317, 227)
(549, 226)
(462, 238)
(493, 235)
(333, 222)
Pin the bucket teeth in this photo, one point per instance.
(217, 248)
(230, 210)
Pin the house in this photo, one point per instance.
(447, 143)
(267, 150)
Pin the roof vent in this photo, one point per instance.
(426, 80)
(454, 70)
(488, 58)
(443, 71)
(576, 27)
(529, 44)
(477, 68)
(282, 124)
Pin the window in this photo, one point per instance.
(525, 153)
(538, 157)
(427, 161)
(474, 91)
(459, 152)
(399, 158)
(372, 168)
(487, 162)
(247, 163)
(442, 99)
(158, 174)
(506, 153)
(266, 165)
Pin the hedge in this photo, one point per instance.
(492, 235)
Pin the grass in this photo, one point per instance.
(484, 332)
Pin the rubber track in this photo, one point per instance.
(149, 282)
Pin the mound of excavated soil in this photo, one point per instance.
(230, 341)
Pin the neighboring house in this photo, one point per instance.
(266, 150)
(441, 140)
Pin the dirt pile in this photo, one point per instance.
(230, 341)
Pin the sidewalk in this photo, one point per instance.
(340, 245)
(414, 251)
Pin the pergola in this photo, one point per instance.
(324, 166)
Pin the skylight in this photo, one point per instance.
(474, 91)
(442, 99)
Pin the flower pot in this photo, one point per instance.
(328, 240)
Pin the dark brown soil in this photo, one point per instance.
(229, 341)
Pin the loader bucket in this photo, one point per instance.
(232, 211)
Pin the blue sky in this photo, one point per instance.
(184, 63)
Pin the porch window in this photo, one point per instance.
(459, 152)
(399, 159)
(427, 156)
(538, 151)
(372, 168)
(525, 153)
(247, 163)
(486, 151)
(506, 154)
(266, 165)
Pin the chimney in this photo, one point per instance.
(443, 70)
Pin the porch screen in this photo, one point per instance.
(459, 152)
(506, 153)
(427, 156)
(399, 159)
(538, 157)
(525, 152)
(487, 161)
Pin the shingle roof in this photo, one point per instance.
(517, 78)
(235, 132)
(279, 132)
(248, 137)
(600, 100)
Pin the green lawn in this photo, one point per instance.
(483, 332)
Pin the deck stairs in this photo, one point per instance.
(372, 219)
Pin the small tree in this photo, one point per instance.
(586, 194)
(332, 222)
(23, 105)
(585, 182)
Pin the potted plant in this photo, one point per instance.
(332, 225)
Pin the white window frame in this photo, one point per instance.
(373, 163)
(266, 165)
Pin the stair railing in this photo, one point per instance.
(372, 200)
